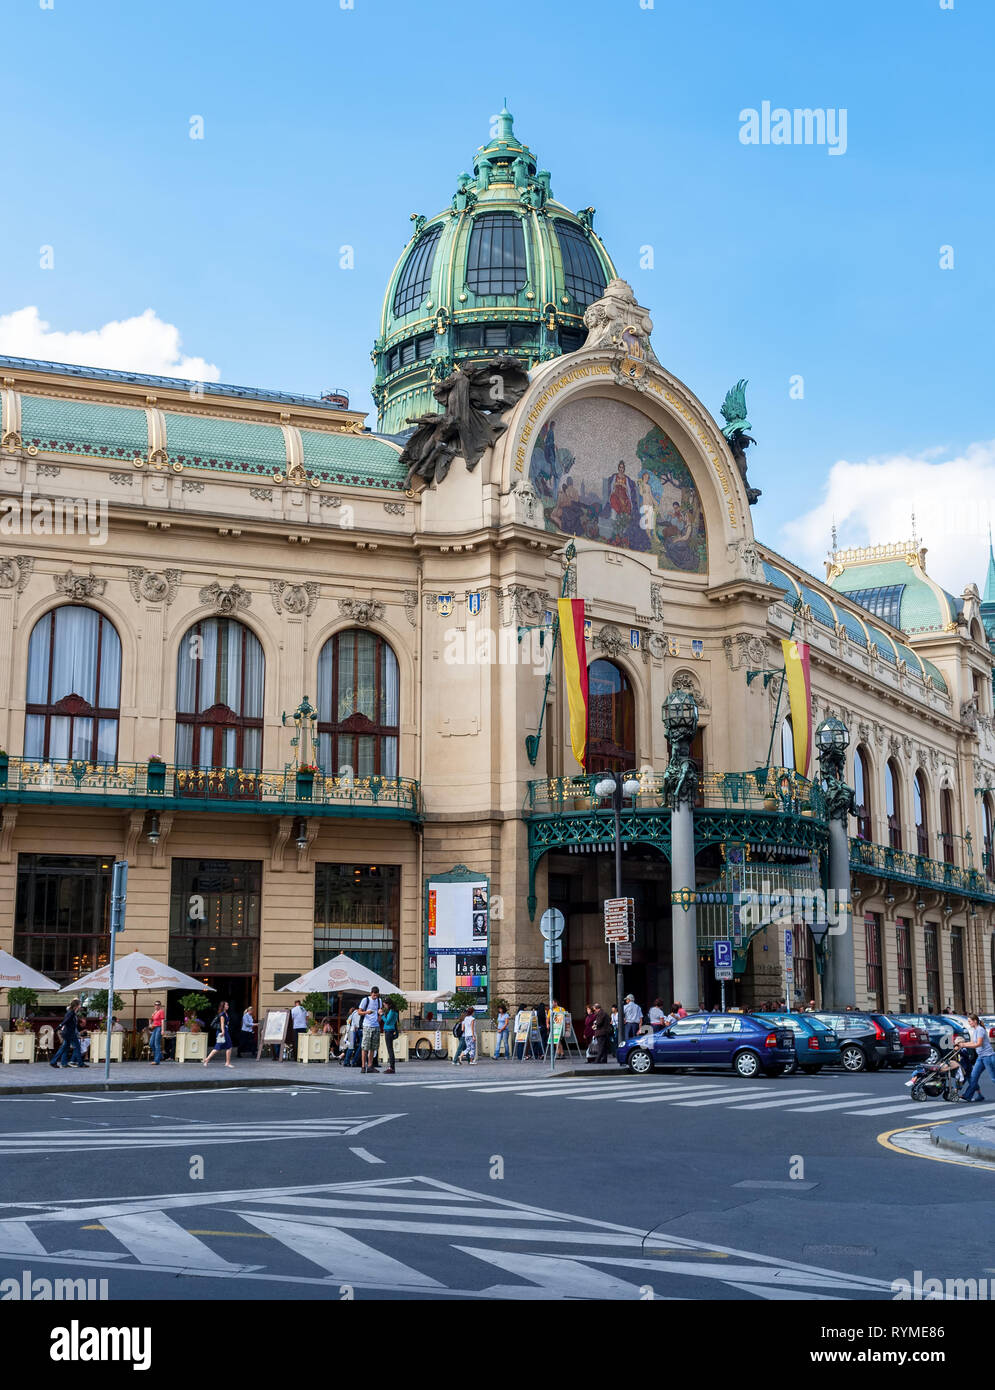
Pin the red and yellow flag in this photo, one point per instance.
(799, 681)
(571, 615)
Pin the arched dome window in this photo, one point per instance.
(947, 825)
(583, 276)
(358, 702)
(74, 687)
(416, 277)
(611, 719)
(920, 799)
(495, 262)
(220, 675)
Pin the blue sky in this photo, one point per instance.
(326, 127)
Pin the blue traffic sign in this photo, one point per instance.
(722, 951)
(789, 944)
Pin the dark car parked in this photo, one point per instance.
(867, 1041)
(816, 1045)
(940, 1031)
(743, 1041)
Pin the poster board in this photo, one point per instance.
(457, 933)
(274, 1030)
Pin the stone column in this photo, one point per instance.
(680, 785)
(838, 982)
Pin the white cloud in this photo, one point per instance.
(872, 503)
(140, 344)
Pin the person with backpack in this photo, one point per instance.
(354, 1029)
(460, 1037)
(389, 1021)
(222, 1035)
(369, 1009)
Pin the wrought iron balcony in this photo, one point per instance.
(906, 867)
(780, 791)
(159, 785)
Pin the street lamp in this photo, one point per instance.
(300, 832)
(832, 739)
(153, 834)
(611, 785)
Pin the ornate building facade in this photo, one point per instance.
(326, 688)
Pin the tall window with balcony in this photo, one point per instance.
(358, 706)
(932, 945)
(875, 973)
(920, 802)
(947, 825)
(862, 793)
(903, 939)
(957, 968)
(220, 677)
(74, 687)
(611, 719)
(988, 833)
(62, 913)
(893, 804)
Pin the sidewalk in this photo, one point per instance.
(26, 1078)
(973, 1137)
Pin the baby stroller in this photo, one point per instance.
(940, 1081)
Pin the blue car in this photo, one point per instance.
(816, 1045)
(741, 1041)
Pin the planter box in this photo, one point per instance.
(18, 1047)
(97, 1047)
(400, 1049)
(191, 1047)
(305, 786)
(313, 1047)
(155, 778)
(4, 763)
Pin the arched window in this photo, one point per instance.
(583, 277)
(947, 825)
(358, 704)
(893, 804)
(416, 277)
(74, 687)
(989, 835)
(862, 793)
(920, 800)
(787, 744)
(611, 719)
(220, 675)
(495, 260)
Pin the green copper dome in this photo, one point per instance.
(504, 269)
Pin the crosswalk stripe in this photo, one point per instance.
(156, 1239)
(341, 1255)
(724, 1099)
(441, 1208)
(769, 1104)
(843, 1099)
(671, 1093)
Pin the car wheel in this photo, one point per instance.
(812, 1071)
(933, 1057)
(746, 1064)
(853, 1058)
(639, 1061)
(873, 1064)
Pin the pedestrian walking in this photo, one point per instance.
(156, 1024)
(615, 1035)
(679, 1010)
(981, 1044)
(588, 1033)
(354, 1029)
(503, 1034)
(601, 1030)
(390, 1020)
(369, 1009)
(222, 1035)
(298, 1021)
(459, 1033)
(69, 1035)
(470, 1036)
(633, 1016)
(248, 1037)
(656, 1016)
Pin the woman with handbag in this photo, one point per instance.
(223, 1037)
(389, 1021)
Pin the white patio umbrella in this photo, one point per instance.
(340, 975)
(136, 972)
(14, 974)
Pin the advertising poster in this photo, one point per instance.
(457, 934)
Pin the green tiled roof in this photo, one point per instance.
(854, 629)
(782, 580)
(923, 610)
(931, 670)
(885, 646)
(229, 446)
(82, 427)
(356, 459)
(821, 610)
(912, 659)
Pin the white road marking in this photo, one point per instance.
(366, 1155)
(342, 1256)
(198, 1132)
(724, 1099)
(556, 1277)
(843, 1099)
(156, 1239)
(769, 1104)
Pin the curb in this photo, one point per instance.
(206, 1083)
(951, 1137)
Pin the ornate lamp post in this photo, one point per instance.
(305, 721)
(832, 738)
(612, 785)
(680, 787)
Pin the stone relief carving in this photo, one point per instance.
(609, 640)
(78, 587)
(617, 321)
(225, 601)
(410, 598)
(294, 598)
(16, 570)
(527, 605)
(48, 470)
(748, 553)
(188, 485)
(744, 649)
(394, 508)
(656, 601)
(528, 508)
(153, 586)
(325, 501)
(362, 611)
(123, 479)
(687, 680)
(656, 646)
(261, 494)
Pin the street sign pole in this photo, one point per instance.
(119, 889)
(551, 926)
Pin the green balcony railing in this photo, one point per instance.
(906, 867)
(780, 790)
(154, 784)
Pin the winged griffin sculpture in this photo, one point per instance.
(734, 414)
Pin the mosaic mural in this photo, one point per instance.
(605, 472)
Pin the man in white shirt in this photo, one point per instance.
(503, 1034)
(370, 1010)
(298, 1019)
(248, 1038)
(633, 1017)
(354, 1025)
(470, 1036)
(656, 1016)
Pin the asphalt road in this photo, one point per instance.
(495, 1184)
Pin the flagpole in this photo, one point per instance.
(780, 691)
(533, 741)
